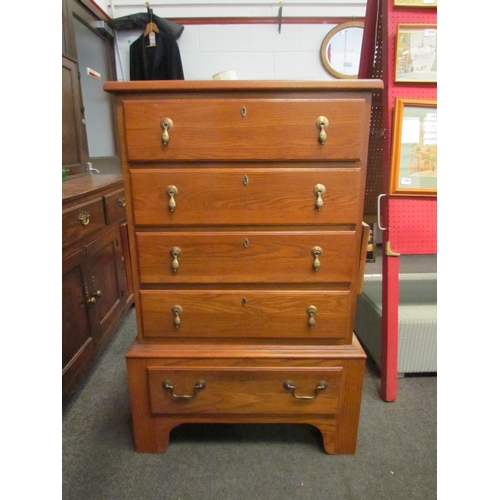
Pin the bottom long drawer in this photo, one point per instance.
(240, 390)
(240, 314)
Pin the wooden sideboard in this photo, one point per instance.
(96, 281)
(247, 248)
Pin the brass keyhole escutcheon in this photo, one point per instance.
(172, 191)
(316, 253)
(243, 111)
(177, 310)
(319, 191)
(245, 180)
(243, 301)
(175, 252)
(246, 243)
(166, 124)
(311, 311)
(322, 122)
(84, 218)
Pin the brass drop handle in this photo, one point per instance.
(311, 312)
(319, 191)
(175, 252)
(84, 218)
(322, 122)
(316, 253)
(177, 310)
(165, 124)
(288, 385)
(121, 201)
(172, 191)
(198, 386)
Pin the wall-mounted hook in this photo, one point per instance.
(280, 16)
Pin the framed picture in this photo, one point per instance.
(414, 148)
(415, 3)
(416, 53)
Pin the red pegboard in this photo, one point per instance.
(397, 16)
(412, 221)
(412, 226)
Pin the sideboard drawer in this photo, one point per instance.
(241, 314)
(81, 220)
(222, 129)
(244, 391)
(114, 206)
(247, 257)
(246, 196)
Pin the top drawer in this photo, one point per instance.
(246, 129)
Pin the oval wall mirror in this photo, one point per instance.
(341, 49)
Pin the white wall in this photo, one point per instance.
(253, 51)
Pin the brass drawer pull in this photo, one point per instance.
(311, 311)
(288, 385)
(316, 252)
(172, 191)
(84, 218)
(165, 124)
(198, 386)
(121, 201)
(177, 310)
(319, 190)
(322, 122)
(175, 252)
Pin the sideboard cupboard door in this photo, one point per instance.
(77, 342)
(108, 285)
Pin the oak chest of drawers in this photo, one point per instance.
(247, 244)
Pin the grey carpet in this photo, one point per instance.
(396, 456)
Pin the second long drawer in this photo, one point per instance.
(222, 196)
(247, 257)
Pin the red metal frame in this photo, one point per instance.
(411, 223)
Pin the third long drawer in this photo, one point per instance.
(248, 256)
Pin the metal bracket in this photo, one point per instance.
(388, 250)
